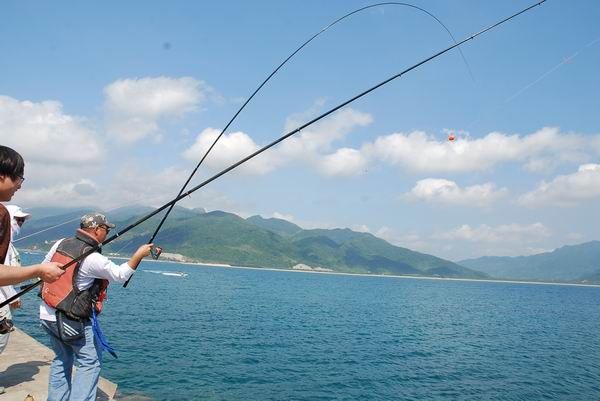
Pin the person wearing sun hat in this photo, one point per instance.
(17, 218)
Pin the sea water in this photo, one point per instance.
(241, 334)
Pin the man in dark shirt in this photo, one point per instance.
(12, 168)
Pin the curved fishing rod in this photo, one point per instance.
(270, 145)
(166, 215)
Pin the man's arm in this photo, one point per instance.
(48, 272)
(99, 266)
(140, 254)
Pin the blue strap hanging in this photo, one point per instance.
(100, 335)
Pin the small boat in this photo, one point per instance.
(165, 273)
(178, 274)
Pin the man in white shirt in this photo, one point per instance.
(67, 311)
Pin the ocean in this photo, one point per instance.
(243, 334)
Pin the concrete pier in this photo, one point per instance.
(24, 368)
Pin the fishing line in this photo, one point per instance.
(46, 229)
(151, 240)
(277, 141)
(525, 88)
(71, 220)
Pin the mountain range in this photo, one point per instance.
(226, 238)
(573, 263)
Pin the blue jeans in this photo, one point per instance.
(88, 356)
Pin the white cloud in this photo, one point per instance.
(540, 164)
(128, 185)
(315, 146)
(589, 167)
(437, 190)
(566, 190)
(134, 107)
(420, 152)
(320, 136)
(132, 185)
(312, 147)
(282, 216)
(43, 133)
(84, 192)
(230, 149)
(361, 228)
(343, 162)
(468, 242)
(506, 233)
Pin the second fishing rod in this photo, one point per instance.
(270, 145)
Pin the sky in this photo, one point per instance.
(114, 103)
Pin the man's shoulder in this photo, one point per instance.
(4, 223)
(4, 215)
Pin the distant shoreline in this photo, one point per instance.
(367, 274)
(224, 265)
(416, 277)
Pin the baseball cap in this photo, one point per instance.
(95, 220)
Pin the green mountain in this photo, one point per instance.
(569, 263)
(278, 226)
(347, 250)
(221, 237)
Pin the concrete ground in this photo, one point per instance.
(24, 367)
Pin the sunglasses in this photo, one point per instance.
(104, 227)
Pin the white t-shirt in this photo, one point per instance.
(94, 266)
(8, 291)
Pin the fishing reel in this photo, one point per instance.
(155, 251)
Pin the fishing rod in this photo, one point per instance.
(270, 145)
(157, 250)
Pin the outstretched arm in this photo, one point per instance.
(48, 272)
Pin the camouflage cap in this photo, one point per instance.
(95, 220)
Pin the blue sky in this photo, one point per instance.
(113, 104)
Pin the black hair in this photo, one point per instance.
(11, 162)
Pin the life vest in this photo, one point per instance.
(63, 294)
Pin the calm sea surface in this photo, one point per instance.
(236, 334)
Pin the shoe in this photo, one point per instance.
(2, 390)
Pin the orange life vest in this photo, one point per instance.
(63, 294)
